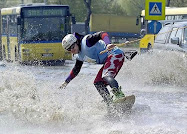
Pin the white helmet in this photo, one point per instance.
(68, 41)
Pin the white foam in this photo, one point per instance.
(31, 102)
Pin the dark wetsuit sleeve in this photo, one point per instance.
(92, 39)
(74, 72)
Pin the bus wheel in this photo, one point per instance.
(19, 58)
(60, 62)
(16, 55)
(4, 53)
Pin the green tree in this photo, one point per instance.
(39, 1)
(76, 7)
(132, 7)
(107, 7)
(2, 3)
(89, 12)
(98, 6)
(11, 3)
(168, 3)
(178, 3)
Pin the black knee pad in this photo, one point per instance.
(111, 81)
(101, 88)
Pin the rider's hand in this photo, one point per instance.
(110, 46)
(63, 86)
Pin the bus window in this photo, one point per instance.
(160, 38)
(35, 29)
(185, 37)
(174, 30)
(179, 34)
(184, 17)
(13, 25)
(4, 25)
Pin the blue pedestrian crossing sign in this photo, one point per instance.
(155, 10)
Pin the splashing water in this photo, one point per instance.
(36, 105)
(19, 96)
(161, 67)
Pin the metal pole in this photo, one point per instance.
(45, 1)
(155, 25)
(22, 1)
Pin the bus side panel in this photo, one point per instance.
(51, 51)
(44, 52)
(113, 23)
(26, 52)
(4, 48)
(147, 40)
(13, 48)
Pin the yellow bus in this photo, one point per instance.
(33, 33)
(147, 27)
(119, 28)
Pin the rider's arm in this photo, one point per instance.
(94, 38)
(74, 72)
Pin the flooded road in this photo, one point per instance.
(31, 103)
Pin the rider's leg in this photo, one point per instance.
(116, 90)
(101, 87)
(111, 68)
(103, 91)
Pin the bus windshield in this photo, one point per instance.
(43, 28)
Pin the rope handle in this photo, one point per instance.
(122, 44)
(119, 45)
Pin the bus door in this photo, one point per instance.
(5, 38)
(12, 37)
(1, 58)
(8, 37)
(18, 52)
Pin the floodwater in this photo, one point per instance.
(31, 103)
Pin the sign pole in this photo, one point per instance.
(155, 24)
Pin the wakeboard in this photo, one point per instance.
(123, 104)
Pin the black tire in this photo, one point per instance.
(4, 54)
